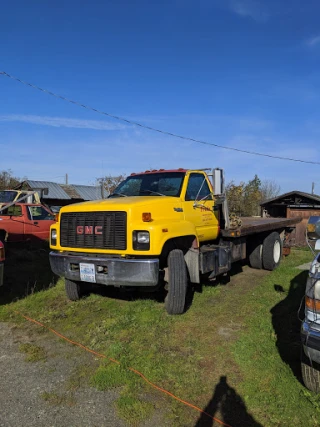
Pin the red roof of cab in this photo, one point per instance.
(159, 171)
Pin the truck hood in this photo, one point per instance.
(119, 203)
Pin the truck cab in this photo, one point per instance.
(21, 222)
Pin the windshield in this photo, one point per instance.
(7, 196)
(155, 184)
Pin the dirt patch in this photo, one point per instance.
(39, 393)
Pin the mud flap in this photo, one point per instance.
(192, 261)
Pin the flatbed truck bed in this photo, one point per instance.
(251, 225)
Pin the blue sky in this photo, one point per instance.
(240, 73)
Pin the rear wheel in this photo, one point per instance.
(272, 251)
(74, 290)
(255, 256)
(310, 373)
(178, 282)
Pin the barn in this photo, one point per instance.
(291, 205)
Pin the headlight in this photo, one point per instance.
(312, 299)
(143, 237)
(53, 239)
(141, 240)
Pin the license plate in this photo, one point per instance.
(87, 273)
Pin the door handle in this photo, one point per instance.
(36, 223)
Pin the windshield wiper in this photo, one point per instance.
(118, 194)
(152, 192)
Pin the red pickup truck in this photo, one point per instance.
(25, 222)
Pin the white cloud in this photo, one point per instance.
(313, 41)
(249, 8)
(63, 122)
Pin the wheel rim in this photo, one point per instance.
(276, 251)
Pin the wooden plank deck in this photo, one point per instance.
(251, 225)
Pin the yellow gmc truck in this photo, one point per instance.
(160, 228)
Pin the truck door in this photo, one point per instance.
(13, 222)
(40, 220)
(199, 207)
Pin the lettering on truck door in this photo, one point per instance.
(199, 207)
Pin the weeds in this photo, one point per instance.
(57, 399)
(34, 353)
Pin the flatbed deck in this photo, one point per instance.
(251, 225)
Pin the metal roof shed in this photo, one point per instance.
(291, 205)
(63, 194)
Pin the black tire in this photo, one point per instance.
(255, 255)
(271, 251)
(74, 290)
(310, 373)
(175, 300)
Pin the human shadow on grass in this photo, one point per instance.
(286, 323)
(26, 271)
(226, 405)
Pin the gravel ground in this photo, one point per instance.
(23, 385)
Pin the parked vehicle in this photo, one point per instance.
(164, 224)
(8, 196)
(2, 258)
(310, 328)
(25, 222)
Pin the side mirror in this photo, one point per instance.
(218, 182)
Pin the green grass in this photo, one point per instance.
(133, 409)
(240, 341)
(268, 353)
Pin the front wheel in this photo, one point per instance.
(310, 373)
(178, 282)
(74, 290)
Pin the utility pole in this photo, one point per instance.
(102, 188)
(66, 179)
(312, 192)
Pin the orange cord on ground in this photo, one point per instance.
(103, 356)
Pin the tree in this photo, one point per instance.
(252, 197)
(269, 189)
(245, 199)
(111, 182)
(7, 180)
(235, 197)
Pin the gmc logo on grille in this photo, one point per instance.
(89, 229)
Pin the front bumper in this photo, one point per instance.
(1, 273)
(117, 271)
(311, 341)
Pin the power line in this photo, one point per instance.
(131, 122)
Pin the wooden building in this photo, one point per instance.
(290, 205)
